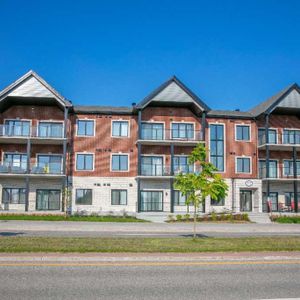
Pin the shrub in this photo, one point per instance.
(187, 217)
(230, 217)
(178, 217)
(213, 216)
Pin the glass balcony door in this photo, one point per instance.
(152, 165)
(152, 131)
(151, 201)
(181, 165)
(15, 162)
(17, 128)
(183, 131)
(49, 164)
(50, 130)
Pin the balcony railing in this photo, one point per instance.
(52, 169)
(21, 131)
(171, 134)
(286, 173)
(285, 138)
(163, 170)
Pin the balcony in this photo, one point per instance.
(170, 136)
(286, 174)
(280, 141)
(20, 170)
(19, 134)
(159, 171)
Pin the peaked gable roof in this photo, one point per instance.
(271, 103)
(32, 85)
(173, 90)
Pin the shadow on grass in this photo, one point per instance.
(5, 233)
(197, 235)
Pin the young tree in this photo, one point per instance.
(198, 185)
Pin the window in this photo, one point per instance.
(152, 131)
(181, 165)
(118, 197)
(242, 133)
(15, 161)
(152, 165)
(47, 199)
(119, 162)
(289, 201)
(13, 195)
(243, 165)
(218, 202)
(288, 167)
(85, 127)
(84, 162)
(119, 128)
(49, 164)
(272, 136)
(179, 198)
(17, 128)
(291, 136)
(151, 201)
(217, 146)
(50, 129)
(272, 169)
(84, 197)
(182, 131)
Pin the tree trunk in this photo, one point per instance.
(195, 221)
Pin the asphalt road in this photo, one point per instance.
(99, 229)
(210, 280)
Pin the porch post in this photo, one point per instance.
(267, 155)
(28, 153)
(295, 179)
(172, 179)
(203, 125)
(64, 170)
(139, 160)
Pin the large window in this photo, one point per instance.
(119, 197)
(243, 165)
(262, 136)
(217, 202)
(272, 169)
(50, 129)
(15, 161)
(217, 146)
(17, 128)
(179, 198)
(49, 164)
(152, 165)
(288, 167)
(84, 197)
(84, 162)
(183, 131)
(291, 136)
(13, 195)
(119, 162)
(85, 127)
(181, 165)
(119, 128)
(242, 133)
(152, 131)
(47, 199)
(151, 201)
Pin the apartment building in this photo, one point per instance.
(57, 156)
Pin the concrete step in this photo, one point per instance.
(261, 218)
(153, 217)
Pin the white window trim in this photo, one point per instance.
(287, 129)
(83, 188)
(14, 119)
(224, 131)
(157, 122)
(89, 153)
(250, 164)
(121, 136)
(187, 156)
(50, 154)
(245, 125)
(277, 136)
(86, 136)
(119, 189)
(264, 160)
(128, 163)
(283, 170)
(10, 152)
(182, 122)
(49, 121)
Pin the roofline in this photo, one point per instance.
(147, 99)
(29, 74)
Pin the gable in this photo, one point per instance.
(291, 100)
(31, 88)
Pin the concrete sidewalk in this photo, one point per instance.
(63, 228)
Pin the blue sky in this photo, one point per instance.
(232, 54)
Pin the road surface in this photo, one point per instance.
(165, 278)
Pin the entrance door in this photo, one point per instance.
(151, 201)
(245, 200)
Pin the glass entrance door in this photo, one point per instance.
(245, 200)
(151, 201)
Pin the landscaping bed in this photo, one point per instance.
(213, 217)
(78, 218)
(285, 219)
(147, 245)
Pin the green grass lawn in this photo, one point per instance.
(70, 218)
(60, 244)
(286, 219)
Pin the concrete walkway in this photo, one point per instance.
(57, 228)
